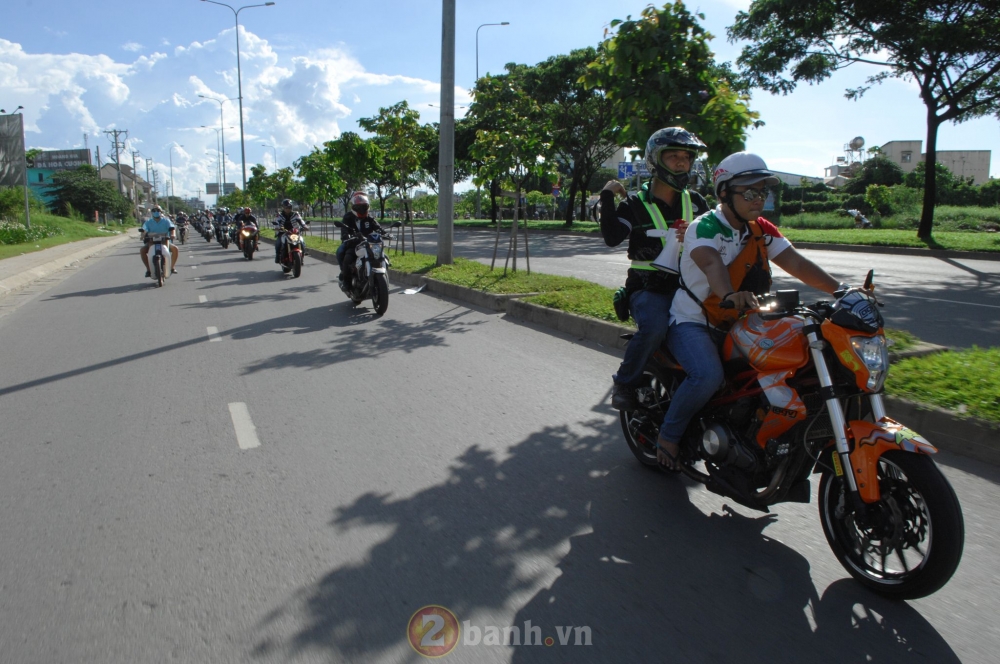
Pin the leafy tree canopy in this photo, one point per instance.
(659, 72)
(81, 189)
(877, 170)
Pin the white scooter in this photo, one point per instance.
(160, 260)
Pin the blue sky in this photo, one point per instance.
(311, 68)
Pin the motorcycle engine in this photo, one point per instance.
(721, 445)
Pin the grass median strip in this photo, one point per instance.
(57, 230)
(964, 381)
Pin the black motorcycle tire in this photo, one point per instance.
(296, 265)
(248, 249)
(941, 519)
(643, 446)
(158, 266)
(225, 242)
(208, 237)
(380, 294)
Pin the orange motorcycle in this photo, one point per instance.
(803, 395)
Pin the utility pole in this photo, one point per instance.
(135, 174)
(118, 145)
(446, 159)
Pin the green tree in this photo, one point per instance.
(658, 71)
(354, 159)
(237, 199)
(319, 181)
(430, 137)
(81, 190)
(949, 48)
(877, 170)
(400, 126)
(916, 178)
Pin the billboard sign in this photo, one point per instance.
(212, 188)
(626, 169)
(62, 160)
(12, 168)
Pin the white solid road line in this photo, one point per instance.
(202, 299)
(213, 334)
(246, 432)
(938, 299)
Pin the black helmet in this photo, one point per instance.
(671, 138)
(287, 203)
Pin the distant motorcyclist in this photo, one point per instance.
(357, 224)
(288, 220)
(243, 217)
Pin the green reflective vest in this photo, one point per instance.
(661, 224)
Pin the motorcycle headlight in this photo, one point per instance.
(376, 251)
(874, 352)
(294, 237)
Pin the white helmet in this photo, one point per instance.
(742, 168)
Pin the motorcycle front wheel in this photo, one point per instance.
(380, 294)
(910, 542)
(296, 265)
(159, 264)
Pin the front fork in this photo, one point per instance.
(842, 448)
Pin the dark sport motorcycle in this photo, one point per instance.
(223, 233)
(803, 395)
(366, 271)
(292, 250)
(248, 238)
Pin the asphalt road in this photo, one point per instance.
(437, 455)
(951, 302)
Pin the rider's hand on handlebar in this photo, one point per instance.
(741, 301)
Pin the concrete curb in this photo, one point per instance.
(900, 251)
(968, 437)
(29, 276)
(965, 436)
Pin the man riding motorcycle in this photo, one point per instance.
(724, 267)
(243, 216)
(288, 220)
(357, 224)
(664, 203)
(158, 224)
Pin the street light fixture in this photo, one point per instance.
(265, 145)
(239, 77)
(477, 42)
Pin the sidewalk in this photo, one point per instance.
(20, 271)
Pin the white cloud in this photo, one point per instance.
(291, 101)
(131, 46)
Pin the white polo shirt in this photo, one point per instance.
(713, 230)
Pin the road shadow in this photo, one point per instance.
(245, 278)
(565, 528)
(110, 290)
(355, 342)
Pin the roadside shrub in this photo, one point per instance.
(878, 196)
(857, 202)
(14, 232)
(821, 206)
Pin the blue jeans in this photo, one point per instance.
(651, 312)
(341, 250)
(696, 347)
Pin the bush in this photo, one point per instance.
(12, 201)
(821, 206)
(14, 232)
(857, 202)
(878, 196)
(877, 170)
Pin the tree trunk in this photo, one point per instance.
(493, 201)
(930, 177)
(571, 201)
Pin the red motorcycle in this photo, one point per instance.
(803, 395)
(247, 239)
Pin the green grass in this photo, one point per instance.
(68, 230)
(966, 381)
(958, 241)
(900, 340)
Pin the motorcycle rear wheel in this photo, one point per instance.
(380, 294)
(912, 542)
(641, 427)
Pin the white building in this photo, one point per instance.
(962, 163)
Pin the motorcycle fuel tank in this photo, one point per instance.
(769, 345)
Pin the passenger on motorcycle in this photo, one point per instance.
(663, 203)
(158, 224)
(289, 220)
(726, 259)
(357, 224)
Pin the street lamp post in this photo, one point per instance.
(446, 146)
(220, 148)
(175, 145)
(477, 42)
(222, 123)
(265, 145)
(239, 78)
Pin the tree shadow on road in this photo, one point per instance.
(110, 290)
(564, 530)
(356, 342)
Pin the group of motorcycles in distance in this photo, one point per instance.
(366, 272)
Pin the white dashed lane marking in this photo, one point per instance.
(202, 299)
(246, 432)
(213, 334)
